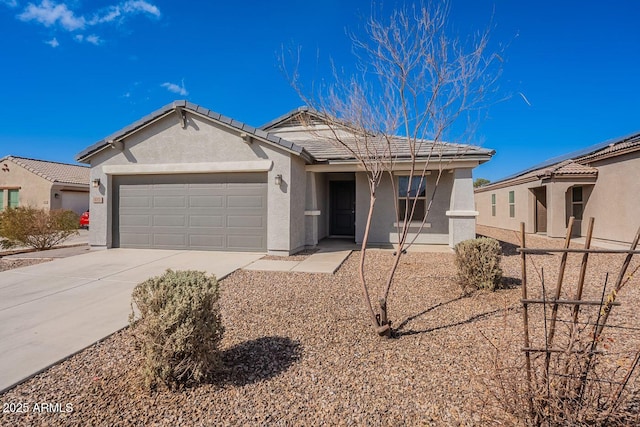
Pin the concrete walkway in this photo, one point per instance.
(52, 310)
(330, 256)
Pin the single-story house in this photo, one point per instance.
(185, 177)
(601, 181)
(43, 184)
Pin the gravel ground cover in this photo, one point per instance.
(300, 256)
(298, 351)
(9, 264)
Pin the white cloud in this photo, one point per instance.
(140, 6)
(131, 7)
(49, 13)
(172, 87)
(61, 14)
(53, 42)
(93, 39)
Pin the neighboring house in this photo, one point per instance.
(185, 177)
(43, 184)
(602, 181)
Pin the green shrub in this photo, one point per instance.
(36, 228)
(178, 327)
(478, 263)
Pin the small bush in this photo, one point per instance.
(478, 264)
(36, 228)
(179, 327)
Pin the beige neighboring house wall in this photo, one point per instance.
(600, 182)
(44, 185)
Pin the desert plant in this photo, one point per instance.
(36, 228)
(417, 85)
(478, 263)
(178, 327)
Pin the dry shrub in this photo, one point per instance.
(478, 263)
(580, 388)
(36, 228)
(179, 327)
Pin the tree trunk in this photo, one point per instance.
(363, 281)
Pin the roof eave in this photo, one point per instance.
(230, 123)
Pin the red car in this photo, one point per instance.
(84, 220)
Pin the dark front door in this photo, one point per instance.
(343, 208)
(541, 209)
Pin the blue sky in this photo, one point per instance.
(76, 71)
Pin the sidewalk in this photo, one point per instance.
(82, 239)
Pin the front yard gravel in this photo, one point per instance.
(298, 351)
(10, 264)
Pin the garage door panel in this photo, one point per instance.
(136, 201)
(207, 242)
(206, 187)
(135, 221)
(169, 221)
(191, 211)
(169, 241)
(245, 201)
(242, 243)
(170, 186)
(206, 221)
(245, 221)
(206, 201)
(138, 240)
(169, 201)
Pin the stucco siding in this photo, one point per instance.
(384, 230)
(611, 200)
(523, 198)
(202, 141)
(297, 201)
(614, 201)
(34, 190)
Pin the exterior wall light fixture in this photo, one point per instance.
(96, 183)
(278, 180)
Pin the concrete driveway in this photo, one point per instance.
(52, 310)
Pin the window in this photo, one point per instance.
(493, 205)
(577, 204)
(1, 200)
(512, 204)
(408, 194)
(13, 199)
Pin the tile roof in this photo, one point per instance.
(288, 132)
(630, 142)
(576, 163)
(328, 150)
(319, 139)
(53, 171)
(571, 168)
(242, 127)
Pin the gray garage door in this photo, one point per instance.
(191, 211)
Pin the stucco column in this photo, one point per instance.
(461, 213)
(311, 213)
(557, 209)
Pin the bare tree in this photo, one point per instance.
(415, 84)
